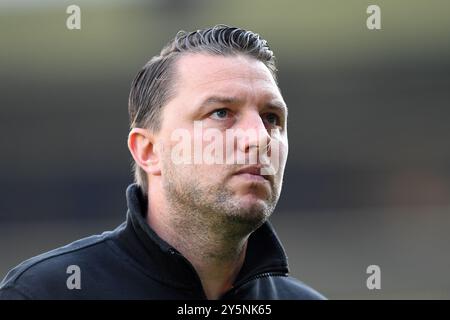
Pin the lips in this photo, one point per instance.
(252, 172)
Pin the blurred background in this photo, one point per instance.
(368, 176)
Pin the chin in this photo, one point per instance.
(251, 199)
(253, 208)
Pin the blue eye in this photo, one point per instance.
(273, 119)
(220, 114)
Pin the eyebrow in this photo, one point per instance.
(276, 104)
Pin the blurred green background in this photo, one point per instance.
(368, 176)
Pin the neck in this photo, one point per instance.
(213, 244)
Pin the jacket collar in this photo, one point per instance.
(161, 261)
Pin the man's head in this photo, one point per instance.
(222, 80)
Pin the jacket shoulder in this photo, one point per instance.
(296, 289)
(282, 287)
(44, 275)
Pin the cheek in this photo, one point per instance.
(280, 142)
(278, 157)
(284, 153)
(208, 172)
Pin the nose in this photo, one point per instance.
(256, 136)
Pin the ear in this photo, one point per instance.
(142, 145)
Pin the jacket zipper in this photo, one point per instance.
(199, 282)
(238, 285)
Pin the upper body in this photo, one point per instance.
(132, 262)
(208, 137)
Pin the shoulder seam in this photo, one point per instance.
(12, 281)
(14, 288)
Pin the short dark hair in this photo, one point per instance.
(153, 87)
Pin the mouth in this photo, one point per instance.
(253, 173)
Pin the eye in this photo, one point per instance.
(220, 114)
(272, 119)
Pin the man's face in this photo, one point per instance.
(224, 97)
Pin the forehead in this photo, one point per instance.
(203, 74)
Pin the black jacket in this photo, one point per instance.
(132, 262)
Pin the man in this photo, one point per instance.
(197, 215)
